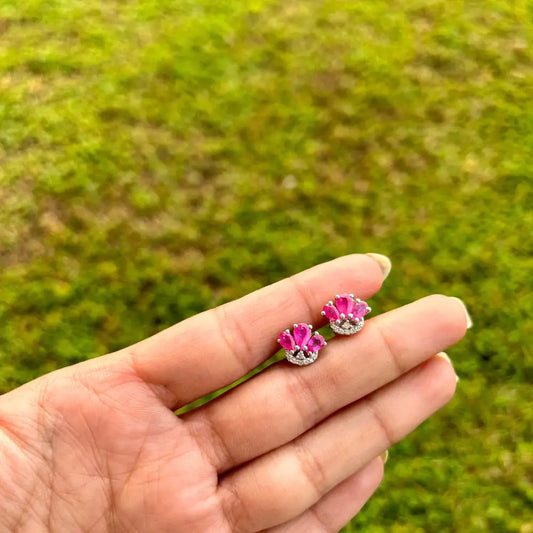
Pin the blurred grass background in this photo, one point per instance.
(159, 158)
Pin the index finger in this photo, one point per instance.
(215, 348)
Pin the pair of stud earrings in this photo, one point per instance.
(346, 317)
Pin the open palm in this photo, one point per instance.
(98, 447)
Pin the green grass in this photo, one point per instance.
(158, 158)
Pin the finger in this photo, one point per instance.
(290, 400)
(339, 505)
(217, 347)
(256, 496)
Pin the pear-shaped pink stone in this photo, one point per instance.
(344, 303)
(302, 333)
(286, 340)
(360, 309)
(316, 342)
(331, 313)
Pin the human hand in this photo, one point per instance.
(98, 447)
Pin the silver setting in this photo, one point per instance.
(346, 327)
(301, 357)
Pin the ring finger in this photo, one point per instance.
(284, 483)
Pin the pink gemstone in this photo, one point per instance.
(360, 310)
(344, 304)
(316, 342)
(302, 333)
(286, 340)
(331, 312)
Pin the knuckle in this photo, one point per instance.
(389, 347)
(233, 507)
(211, 440)
(233, 335)
(320, 523)
(312, 469)
(389, 435)
(303, 294)
(304, 399)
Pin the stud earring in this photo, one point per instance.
(346, 314)
(302, 345)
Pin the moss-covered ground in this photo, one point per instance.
(158, 158)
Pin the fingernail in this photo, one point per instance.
(445, 356)
(469, 322)
(383, 261)
(385, 456)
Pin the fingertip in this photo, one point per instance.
(357, 273)
(442, 381)
(374, 472)
(445, 356)
(367, 479)
(468, 318)
(449, 312)
(383, 261)
(384, 457)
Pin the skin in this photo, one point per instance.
(98, 447)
